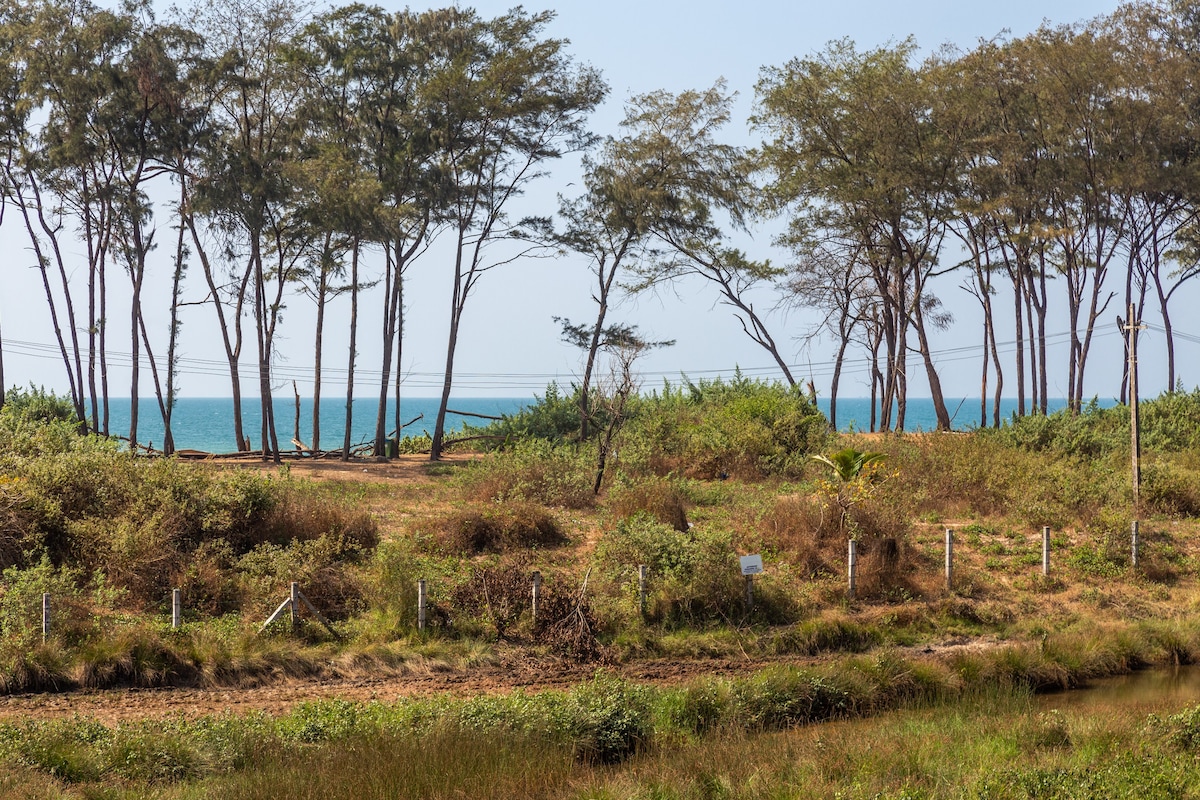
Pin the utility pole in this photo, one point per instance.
(1135, 440)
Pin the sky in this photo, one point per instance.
(510, 345)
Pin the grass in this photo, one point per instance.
(108, 535)
(969, 727)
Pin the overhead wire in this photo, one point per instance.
(527, 381)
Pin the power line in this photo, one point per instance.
(525, 381)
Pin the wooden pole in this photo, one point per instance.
(642, 569)
(45, 616)
(176, 608)
(749, 592)
(1136, 544)
(294, 604)
(949, 559)
(852, 568)
(1045, 549)
(421, 604)
(1135, 439)
(537, 594)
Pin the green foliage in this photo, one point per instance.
(534, 471)
(607, 720)
(743, 427)
(554, 417)
(1169, 423)
(693, 575)
(73, 599)
(1095, 561)
(1183, 729)
(848, 464)
(785, 696)
(36, 406)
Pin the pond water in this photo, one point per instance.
(1147, 689)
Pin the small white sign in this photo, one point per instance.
(751, 565)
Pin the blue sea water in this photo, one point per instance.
(205, 423)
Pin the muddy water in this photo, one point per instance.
(1139, 692)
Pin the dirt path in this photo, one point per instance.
(409, 468)
(116, 705)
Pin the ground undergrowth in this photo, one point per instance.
(696, 478)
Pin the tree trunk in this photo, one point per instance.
(457, 303)
(352, 354)
(322, 289)
(233, 346)
(836, 380)
(391, 312)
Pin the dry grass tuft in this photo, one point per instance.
(495, 528)
(660, 498)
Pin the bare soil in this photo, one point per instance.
(407, 468)
(514, 673)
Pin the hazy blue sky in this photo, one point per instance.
(510, 345)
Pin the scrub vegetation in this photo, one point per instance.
(695, 478)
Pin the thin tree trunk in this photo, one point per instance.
(353, 345)
(233, 347)
(391, 315)
(836, 380)
(75, 385)
(322, 288)
(173, 334)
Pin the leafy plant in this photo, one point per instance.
(855, 477)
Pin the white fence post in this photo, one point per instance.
(1045, 549)
(949, 559)
(421, 604)
(537, 594)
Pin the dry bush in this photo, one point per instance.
(303, 514)
(496, 528)
(567, 626)
(498, 594)
(207, 580)
(324, 567)
(659, 498)
(803, 528)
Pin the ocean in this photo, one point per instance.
(204, 423)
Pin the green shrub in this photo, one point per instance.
(554, 417)
(693, 575)
(744, 427)
(1183, 729)
(534, 471)
(607, 720)
(323, 567)
(783, 697)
